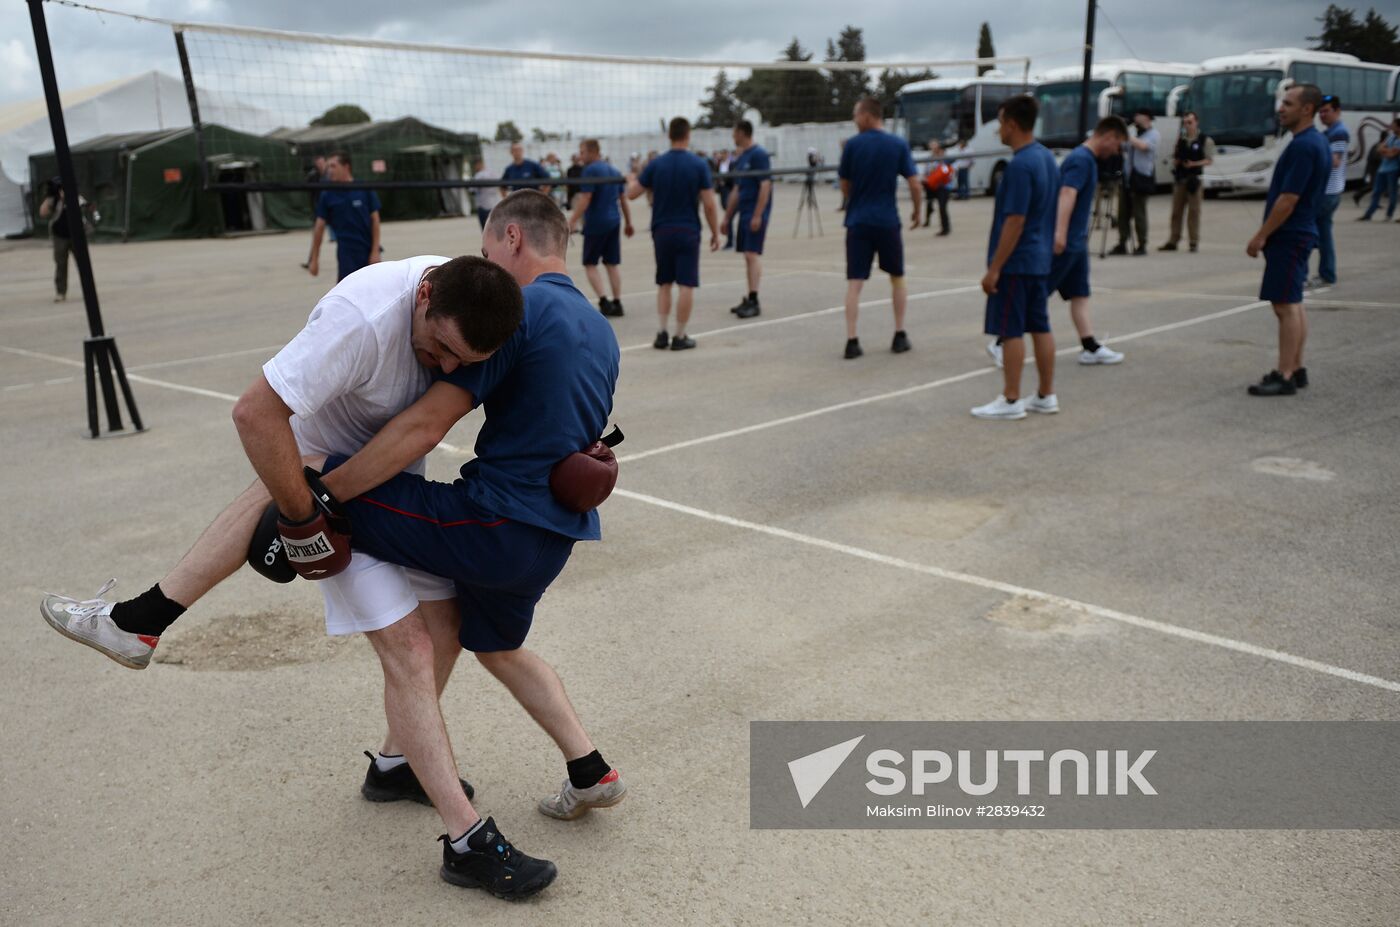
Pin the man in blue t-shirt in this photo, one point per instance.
(1019, 255)
(752, 199)
(522, 168)
(1289, 234)
(676, 180)
(1338, 140)
(353, 215)
(1069, 269)
(605, 216)
(872, 162)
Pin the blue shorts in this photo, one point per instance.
(500, 567)
(605, 246)
(1286, 267)
(1069, 275)
(349, 257)
(677, 255)
(1017, 307)
(863, 242)
(746, 240)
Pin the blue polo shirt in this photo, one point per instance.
(753, 158)
(873, 161)
(675, 180)
(1029, 187)
(1081, 171)
(525, 170)
(546, 393)
(1302, 169)
(1338, 139)
(348, 212)
(602, 214)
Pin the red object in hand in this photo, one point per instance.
(319, 547)
(583, 480)
(938, 176)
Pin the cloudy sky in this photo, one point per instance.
(89, 48)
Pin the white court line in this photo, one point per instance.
(207, 357)
(921, 387)
(1161, 627)
(652, 291)
(783, 320)
(133, 377)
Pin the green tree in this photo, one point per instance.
(889, 83)
(540, 135)
(985, 48)
(343, 115)
(1370, 39)
(846, 87)
(787, 96)
(507, 132)
(721, 109)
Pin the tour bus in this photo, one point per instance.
(1236, 100)
(1118, 87)
(951, 108)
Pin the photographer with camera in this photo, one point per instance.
(1140, 169)
(1194, 152)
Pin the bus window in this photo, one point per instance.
(967, 113)
(1162, 85)
(1137, 94)
(993, 96)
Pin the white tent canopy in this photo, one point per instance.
(145, 102)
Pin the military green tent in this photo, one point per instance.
(401, 149)
(146, 185)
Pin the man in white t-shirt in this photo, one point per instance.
(367, 353)
(486, 197)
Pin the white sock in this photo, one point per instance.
(385, 763)
(460, 845)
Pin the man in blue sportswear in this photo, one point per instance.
(522, 168)
(1289, 234)
(353, 215)
(606, 217)
(1338, 140)
(677, 180)
(872, 162)
(1019, 255)
(752, 198)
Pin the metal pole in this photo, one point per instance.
(1088, 71)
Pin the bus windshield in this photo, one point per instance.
(1236, 107)
(931, 114)
(1059, 111)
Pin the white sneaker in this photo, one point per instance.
(994, 351)
(89, 621)
(1045, 405)
(999, 408)
(569, 803)
(1104, 355)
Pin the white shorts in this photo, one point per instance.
(371, 594)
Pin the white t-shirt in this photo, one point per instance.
(352, 368)
(486, 197)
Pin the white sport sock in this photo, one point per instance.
(460, 845)
(385, 763)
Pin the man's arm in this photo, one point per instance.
(46, 207)
(374, 237)
(405, 438)
(264, 426)
(845, 188)
(1010, 236)
(916, 193)
(1283, 208)
(626, 216)
(707, 199)
(765, 192)
(581, 201)
(731, 204)
(313, 264)
(1068, 196)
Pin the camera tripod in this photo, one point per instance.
(808, 202)
(1106, 213)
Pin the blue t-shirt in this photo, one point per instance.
(753, 158)
(1029, 187)
(1338, 139)
(1302, 169)
(347, 212)
(1081, 171)
(602, 214)
(547, 393)
(873, 162)
(525, 170)
(1389, 165)
(675, 180)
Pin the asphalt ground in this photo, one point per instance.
(795, 536)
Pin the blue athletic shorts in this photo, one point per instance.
(749, 241)
(1286, 267)
(605, 246)
(500, 567)
(349, 259)
(677, 255)
(1017, 307)
(863, 242)
(1069, 275)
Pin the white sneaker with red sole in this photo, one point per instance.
(569, 803)
(89, 621)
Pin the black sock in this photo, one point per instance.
(149, 613)
(1001, 341)
(753, 296)
(1090, 344)
(586, 771)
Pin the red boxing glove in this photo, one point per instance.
(584, 479)
(319, 547)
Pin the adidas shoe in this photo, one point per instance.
(569, 803)
(399, 784)
(498, 867)
(1001, 410)
(1045, 405)
(89, 621)
(1103, 355)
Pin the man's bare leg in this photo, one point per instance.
(753, 269)
(899, 299)
(443, 622)
(536, 686)
(1302, 336)
(1013, 358)
(1079, 315)
(685, 302)
(1292, 331)
(663, 306)
(853, 288)
(595, 279)
(219, 551)
(1044, 344)
(615, 278)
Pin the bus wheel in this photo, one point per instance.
(995, 182)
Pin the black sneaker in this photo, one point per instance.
(613, 309)
(1169, 246)
(682, 343)
(739, 309)
(1140, 250)
(498, 867)
(1194, 247)
(399, 784)
(1273, 384)
(1300, 378)
(1121, 248)
(900, 343)
(749, 310)
(853, 349)
(662, 342)
(604, 305)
